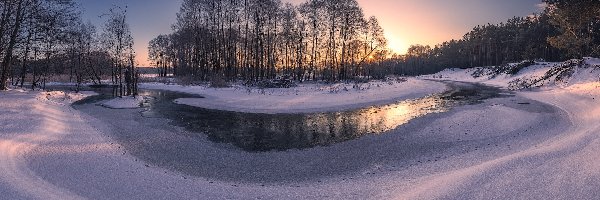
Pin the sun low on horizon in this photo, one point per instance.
(405, 22)
(430, 22)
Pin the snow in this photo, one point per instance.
(31, 120)
(304, 98)
(69, 155)
(465, 75)
(565, 166)
(547, 149)
(126, 102)
(63, 98)
(588, 73)
(592, 61)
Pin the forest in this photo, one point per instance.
(332, 41)
(255, 40)
(564, 30)
(47, 39)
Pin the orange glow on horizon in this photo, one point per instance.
(405, 22)
(411, 22)
(142, 55)
(395, 43)
(431, 22)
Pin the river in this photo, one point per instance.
(264, 148)
(265, 132)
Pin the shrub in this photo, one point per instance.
(219, 82)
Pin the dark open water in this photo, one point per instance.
(265, 132)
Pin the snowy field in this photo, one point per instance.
(544, 147)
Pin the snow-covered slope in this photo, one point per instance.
(540, 74)
(30, 120)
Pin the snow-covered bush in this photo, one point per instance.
(508, 69)
(481, 72)
(520, 83)
(361, 86)
(219, 82)
(559, 74)
(276, 83)
(512, 69)
(188, 81)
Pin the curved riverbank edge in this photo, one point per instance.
(87, 160)
(467, 130)
(564, 166)
(306, 98)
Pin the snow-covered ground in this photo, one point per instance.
(549, 150)
(565, 166)
(305, 97)
(51, 151)
(588, 72)
(32, 120)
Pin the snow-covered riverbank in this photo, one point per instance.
(31, 121)
(565, 166)
(305, 97)
(547, 75)
(75, 155)
(49, 150)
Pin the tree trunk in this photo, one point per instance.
(24, 64)
(9, 50)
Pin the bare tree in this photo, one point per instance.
(8, 53)
(262, 39)
(117, 36)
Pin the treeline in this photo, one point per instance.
(520, 38)
(42, 39)
(332, 40)
(252, 40)
(566, 29)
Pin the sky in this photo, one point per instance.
(405, 22)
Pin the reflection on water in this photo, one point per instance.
(264, 132)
